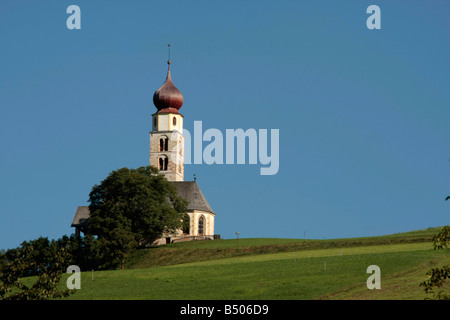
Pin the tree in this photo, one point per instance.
(45, 259)
(438, 276)
(131, 208)
(436, 279)
(442, 239)
(86, 252)
(186, 221)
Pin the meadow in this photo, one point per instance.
(271, 269)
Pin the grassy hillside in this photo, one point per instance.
(193, 251)
(272, 269)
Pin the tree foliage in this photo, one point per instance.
(86, 252)
(45, 259)
(131, 208)
(442, 239)
(436, 279)
(438, 276)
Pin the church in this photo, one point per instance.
(167, 155)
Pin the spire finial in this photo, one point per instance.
(168, 61)
(168, 96)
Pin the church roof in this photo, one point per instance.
(81, 216)
(188, 190)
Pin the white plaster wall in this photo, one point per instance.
(208, 226)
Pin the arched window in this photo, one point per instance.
(174, 121)
(201, 225)
(163, 143)
(163, 163)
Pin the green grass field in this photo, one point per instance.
(272, 269)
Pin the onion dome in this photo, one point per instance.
(168, 99)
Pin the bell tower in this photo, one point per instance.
(166, 137)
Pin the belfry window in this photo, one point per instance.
(201, 224)
(163, 163)
(174, 121)
(163, 144)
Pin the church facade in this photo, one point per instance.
(167, 155)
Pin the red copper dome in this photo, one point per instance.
(168, 96)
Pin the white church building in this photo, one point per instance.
(167, 155)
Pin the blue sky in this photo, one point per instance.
(363, 114)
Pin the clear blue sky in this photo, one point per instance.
(363, 114)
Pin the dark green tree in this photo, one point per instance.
(47, 260)
(131, 208)
(442, 239)
(436, 280)
(186, 223)
(438, 276)
(86, 252)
